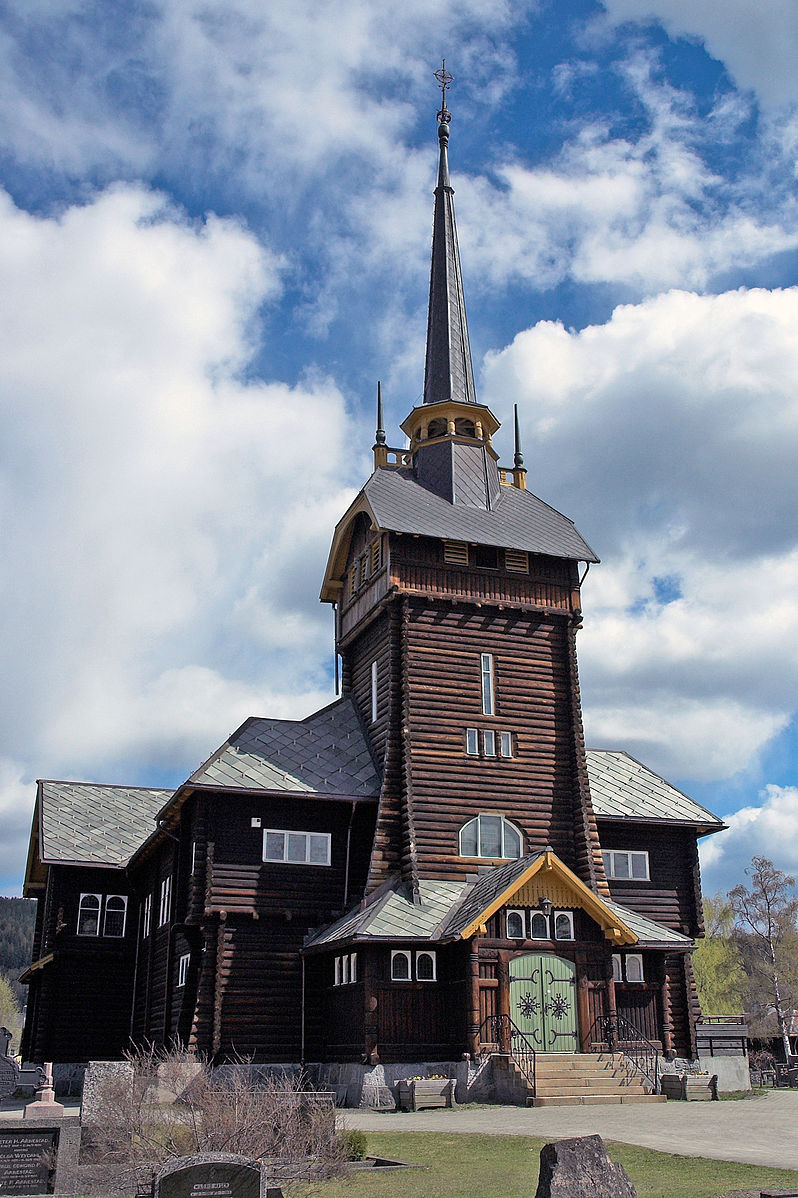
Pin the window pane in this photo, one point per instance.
(640, 865)
(274, 848)
(634, 968)
(114, 916)
(621, 861)
(515, 925)
(469, 844)
(89, 915)
(563, 929)
(505, 744)
(400, 967)
(489, 742)
(472, 746)
(337, 971)
(344, 970)
(487, 683)
(319, 849)
(490, 836)
(616, 967)
(512, 841)
(539, 926)
(425, 967)
(607, 859)
(353, 967)
(297, 846)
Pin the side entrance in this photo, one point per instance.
(543, 1001)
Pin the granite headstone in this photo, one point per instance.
(213, 1175)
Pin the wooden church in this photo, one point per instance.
(432, 868)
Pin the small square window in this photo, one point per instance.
(400, 966)
(515, 925)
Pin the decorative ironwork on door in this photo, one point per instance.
(543, 1000)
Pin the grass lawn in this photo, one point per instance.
(473, 1166)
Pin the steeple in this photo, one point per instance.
(448, 373)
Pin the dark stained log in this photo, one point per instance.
(666, 1021)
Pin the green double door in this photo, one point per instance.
(543, 1001)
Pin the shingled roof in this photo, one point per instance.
(622, 788)
(88, 823)
(519, 520)
(326, 753)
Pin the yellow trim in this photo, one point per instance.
(333, 574)
(550, 876)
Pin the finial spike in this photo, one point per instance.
(379, 438)
(518, 457)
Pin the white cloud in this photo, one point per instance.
(156, 511)
(670, 435)
(768, 830)
(756, 44)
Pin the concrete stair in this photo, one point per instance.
(579, 1079)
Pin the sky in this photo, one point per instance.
(215, 222)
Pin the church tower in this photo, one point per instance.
(457, 595)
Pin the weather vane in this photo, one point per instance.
(445, 80)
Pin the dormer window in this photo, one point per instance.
(490, 836)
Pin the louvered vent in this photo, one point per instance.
(455, 552)
(376, 555)
(517, 559)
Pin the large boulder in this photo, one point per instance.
(580, 1168)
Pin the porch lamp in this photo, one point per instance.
(546, 905)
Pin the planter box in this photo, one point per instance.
(689, 1087)
(425, 1094)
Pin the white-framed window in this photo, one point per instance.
(490, 836)
(166, 901)
(633, 966)
(489, 742)
(146, 917)
(617, 968)
(374, 692)
(515, 925)
(296, 848)
(505, 744)
(487, 674)
(193, 856)
(539, 926)
(182, 969)
(425, 966)
(89, 914)
(353, 967)
(472, 742)
(115, 915)
(563, 925)
(400, 965)
(419, 966)
(631, 864)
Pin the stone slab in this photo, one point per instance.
(580, 1168)
(214, 1175)
(21, 1148)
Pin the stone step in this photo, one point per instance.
(594, 1085)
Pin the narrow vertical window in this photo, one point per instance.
(353, 967)
(146, 918)
(166, 896)
(373, 692)
(505, 744)
(488, 704)
(182, 969)
(472, 742)
(489, 742)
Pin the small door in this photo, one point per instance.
(543, 1001)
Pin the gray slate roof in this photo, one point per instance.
(623, 788)
(647, 931)
(447, 908)
(86, 822)
(519, 520)
(326, 753)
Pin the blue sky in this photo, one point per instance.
(214, 238)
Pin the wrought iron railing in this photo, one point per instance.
(622, 1036)
(508, 1038)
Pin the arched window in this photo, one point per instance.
(539, 926)
(115, 908)
(400, 966)
(438, 427)
(425, 967)
(515, 925)
(490, 836)
(465, 427)
(563, 925)
(89, 915)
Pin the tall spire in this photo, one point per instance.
(448, 373)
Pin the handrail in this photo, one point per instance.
(506, 1033)
(622, 1036)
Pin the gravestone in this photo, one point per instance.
(40, 1159)
(213, 1175)
(103, 1079)
(580, 1168)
